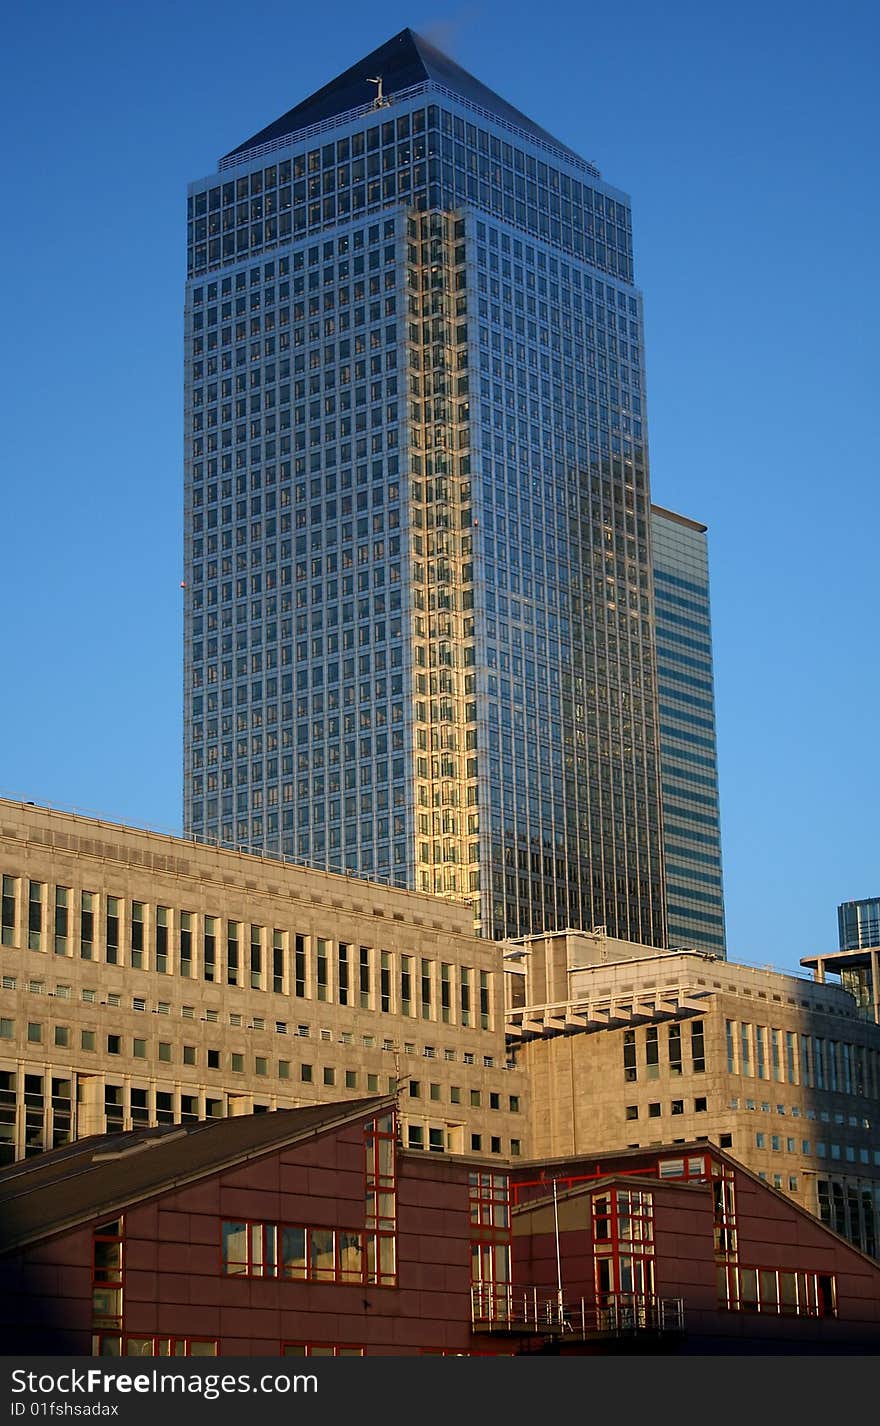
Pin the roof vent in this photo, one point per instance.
(105, 1155)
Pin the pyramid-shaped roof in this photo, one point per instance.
(402, 62)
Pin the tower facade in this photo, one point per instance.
(419, 636)
(688, 751)
(858, 923)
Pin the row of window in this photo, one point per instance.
(452, 1139)
(164, 1052)
(796, 1294)
(762, 1052)
(285, 1251)
(676, 1040)
(852, 1210)
(212, 1016)
(359, 172)
(855, 1121)
(676, 1106)
(110, 1344)
(231, 952)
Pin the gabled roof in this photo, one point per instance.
(403, 61)
(100, 1177)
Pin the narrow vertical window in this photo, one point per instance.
(806, 1066)
(776, 1053)
(35, 916)
(406, 985)
(445, 993)
(232, 934)
(630, 1069)
(484, 1000)
(465, 995)
(87, 925)
(209, 948)
(256, 958)
(7, 914)
(321, 969)
(675, 1049)
(278, 958)
(731, 1053)
(62, 902)
(745, 1049)
(137, 934)
(385, 982)
(299, 967)
(162, 940)
(652, 1052)
(760, 1052)
(832, 1065)
(111, 930)
(364, 978)
(186, 943)
(698, 1047)
(425, 989)
(342, 973)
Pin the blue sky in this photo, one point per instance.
(746, 136)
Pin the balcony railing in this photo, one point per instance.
(503, 1308)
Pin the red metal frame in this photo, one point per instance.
(108, 1277)
(380, 1198)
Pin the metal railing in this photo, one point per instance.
(335, 121)
(503, 1308)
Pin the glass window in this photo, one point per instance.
(630, 1071)
(62, 904)
(88, 901)
(7, 911)
(35, 915)
(161, 941)
(652, 1052)
(186, 943)
(137, 934)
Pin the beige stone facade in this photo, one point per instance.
(626, 1046)
(148, 979)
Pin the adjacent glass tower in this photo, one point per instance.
(858, 923)
(419, 617)
(688, 755)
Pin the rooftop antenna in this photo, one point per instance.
(380, 100)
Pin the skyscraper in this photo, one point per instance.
(858, 923)
(688, 754)
(419, 637)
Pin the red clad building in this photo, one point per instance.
(311, 1232)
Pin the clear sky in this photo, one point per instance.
(747, 137)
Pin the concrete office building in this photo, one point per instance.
(148, 980)
(625, 1046)
(419, 631)
(688, 752)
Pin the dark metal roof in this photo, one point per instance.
(100, 1177)
(402, 62)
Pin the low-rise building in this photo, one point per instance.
(626, 1046)
(313, 1232)
(151, 980)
